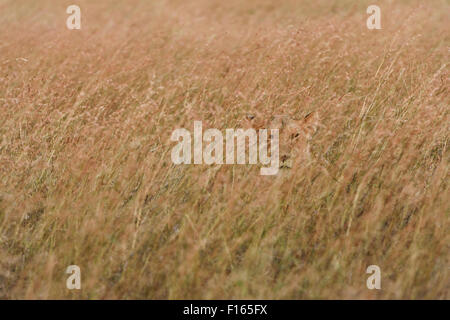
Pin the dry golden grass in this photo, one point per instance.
(86, 176)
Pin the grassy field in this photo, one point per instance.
(86, 176)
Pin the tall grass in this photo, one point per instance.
(86, 176)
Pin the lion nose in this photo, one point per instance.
(284, 157)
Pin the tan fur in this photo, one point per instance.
(295, 135)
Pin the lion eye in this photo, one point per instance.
(295, 135)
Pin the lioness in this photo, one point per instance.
(295, 135)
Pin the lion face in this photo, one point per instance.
(295, 135)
